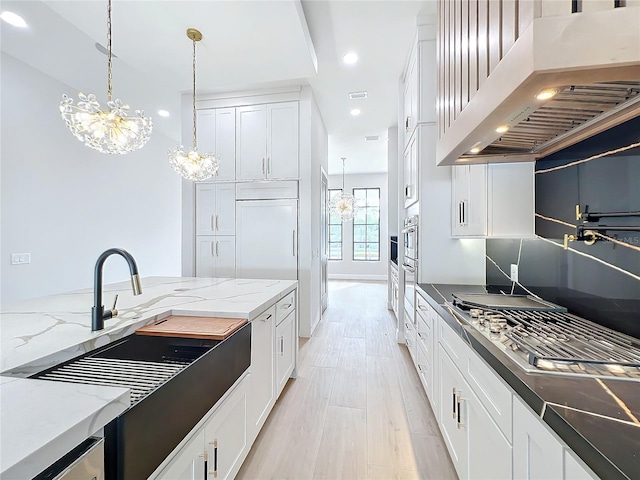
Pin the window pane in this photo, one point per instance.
(373, 215)
(359, 233)
(336, 234)
(373, 197)
(359, 251)
(360, 195)
(372, 251)
(361, 216)
(373, 232)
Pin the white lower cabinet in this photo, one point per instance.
(477, 446)
(285, 350)
(262, 398)
(537, 454)
(217, 449)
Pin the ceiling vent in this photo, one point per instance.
(372, 138)
(356, 95)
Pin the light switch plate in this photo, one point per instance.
(514, 272)
(20, 258)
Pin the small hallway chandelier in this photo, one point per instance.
(193, 165)
(344, 205)
(113, 131)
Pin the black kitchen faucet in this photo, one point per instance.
(98, 314)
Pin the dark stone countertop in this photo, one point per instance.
(587, 413)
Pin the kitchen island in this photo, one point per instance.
(40, 333)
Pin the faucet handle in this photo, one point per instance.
(114, 311)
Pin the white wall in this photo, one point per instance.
(360, 270)
(65, 203)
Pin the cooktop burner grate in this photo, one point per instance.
(562, 337)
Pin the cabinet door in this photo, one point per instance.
(225, 146)
(225, 220)
(489, 450)
(511, 209)
(537, 454)
(205, 256)
(205, 209)
(453, 413)
(188, 464)
(408, 125)
(266, 239)
(469, 201)
(225, 260)
(411, 172)
(282, 140)
(425, 371)
(206, 123)
(225, 435)
(262, 384)
(251, 142)
(285, 350)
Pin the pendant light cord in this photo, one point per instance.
(194, 95)
(109, 73)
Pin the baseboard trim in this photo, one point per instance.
(348, 276)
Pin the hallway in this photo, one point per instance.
(357, 409)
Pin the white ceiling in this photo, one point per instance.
(246, 45)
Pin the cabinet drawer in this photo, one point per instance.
(423, 307)
(424, 364)
(285, 306)
(410, 337)
(451, 342)
(424, 337)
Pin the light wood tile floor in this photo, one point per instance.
(357, 409)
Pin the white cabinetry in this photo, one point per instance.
(536, 452)
(216, 134)
(267, 141)
(215, 256)
(217, 449)
(411, 97)
(266, 239)
(262, 395)
(494, 200)
(285, 350)
(411, 170)
(394, 289)
(215, 209)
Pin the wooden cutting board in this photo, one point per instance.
(213, 328)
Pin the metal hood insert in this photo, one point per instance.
(589, 60)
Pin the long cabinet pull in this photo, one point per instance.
(268, 165)
(460, 213)
(217, 249)
(294, 243)
(454, 403)
(214, 472)
(459, 423)
(212, 252)
(266, 318)
(281, 345)
(212, 223)
(217, 226)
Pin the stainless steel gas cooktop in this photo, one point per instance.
(551, 340)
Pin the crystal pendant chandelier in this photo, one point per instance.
(344, 205)
(193, 165)
(108, 131)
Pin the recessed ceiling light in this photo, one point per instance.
(546, 94)
(475, 150)
(502, 128)
(355, 112)
(356, 95)
(13, 19)
(163, 113)
(350, 58)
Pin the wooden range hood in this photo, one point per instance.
(496, 56)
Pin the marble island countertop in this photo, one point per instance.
(42, 332)
(42, 420)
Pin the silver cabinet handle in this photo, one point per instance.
(458, 420)
(217, 226)
(294, 243)
(454, 403)
(287, 306)
(212, 252)
(422, 307)
(212, 223)
(217, 249)
(281, 345)
(266, 318)
(263, 169)
(460, 213)
(268, 165)
(407, 124)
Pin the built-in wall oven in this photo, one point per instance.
(410, 263)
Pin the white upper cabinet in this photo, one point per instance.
(217, 135)
(267, 141)
(411, 173)
(215, 256)
(215, 209)
(411, 97)
(251, 146)
(495, 200)
(282, 140)
(225, 147)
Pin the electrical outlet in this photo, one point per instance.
(514, 272)
(20, 258)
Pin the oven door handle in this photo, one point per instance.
(408, 268)
(409, 230)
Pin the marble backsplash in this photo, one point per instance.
(600, 282)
